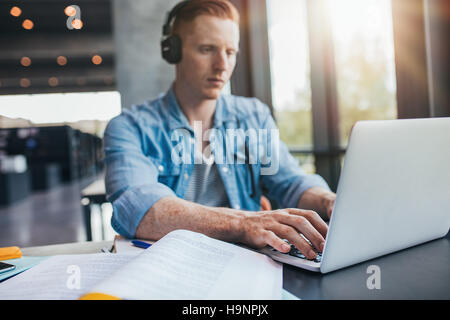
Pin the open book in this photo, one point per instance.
(183, 265)
(188, 265)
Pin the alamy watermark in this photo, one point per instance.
(373, 281)
(74, 280)
(74, 17)
(235, 146)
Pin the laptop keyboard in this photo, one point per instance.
(294, 252)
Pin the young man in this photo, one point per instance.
(154, 190)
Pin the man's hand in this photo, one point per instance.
(270, 227)
(318, 199)
(255, 229)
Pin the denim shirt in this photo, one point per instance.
(149, 155)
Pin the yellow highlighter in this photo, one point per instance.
(10, 253)
(98, 296)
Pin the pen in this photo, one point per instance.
(140, 244)
(106, 250)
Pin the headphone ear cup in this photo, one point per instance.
(171, 49)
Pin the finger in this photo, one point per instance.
(276, 243)
(303, 226)
(314, 218)
(331, 208)
(313, 236)
(289, 233)
(330, 212)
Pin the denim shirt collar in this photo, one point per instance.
(178, 120)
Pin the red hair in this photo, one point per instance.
(217, 8)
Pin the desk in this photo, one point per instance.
(421, 272)
(67, 248)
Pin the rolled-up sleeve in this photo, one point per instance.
(131, 177)
(289, 182)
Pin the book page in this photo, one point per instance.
(188, 265)
(64, 277)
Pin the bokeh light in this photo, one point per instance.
(61, 60)
(25, 61)
(27, 24)
(15, 11)
(25, 82)
(53, 81)
(97, 59)
(70, 11)
(77, 24)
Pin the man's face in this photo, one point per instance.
(210, 45)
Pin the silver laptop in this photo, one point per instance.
(393, 193)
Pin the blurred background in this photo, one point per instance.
(68, 67)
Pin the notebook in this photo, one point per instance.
(182, 265)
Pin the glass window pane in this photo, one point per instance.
(364, 55)
(290, 70)
(307, 162)
(88, 111)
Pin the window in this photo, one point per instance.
(362, 36)
(364, 58)
(90, 110)
(290, 71)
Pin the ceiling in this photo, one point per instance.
(29, 58)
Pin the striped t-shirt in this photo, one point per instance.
(205, 185)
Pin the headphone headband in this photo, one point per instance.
(171, 15)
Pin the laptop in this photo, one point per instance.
(393, 193)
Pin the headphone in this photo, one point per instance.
(171, 48)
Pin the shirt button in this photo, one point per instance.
(161, 168)
(225, 169)
(186, 176)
